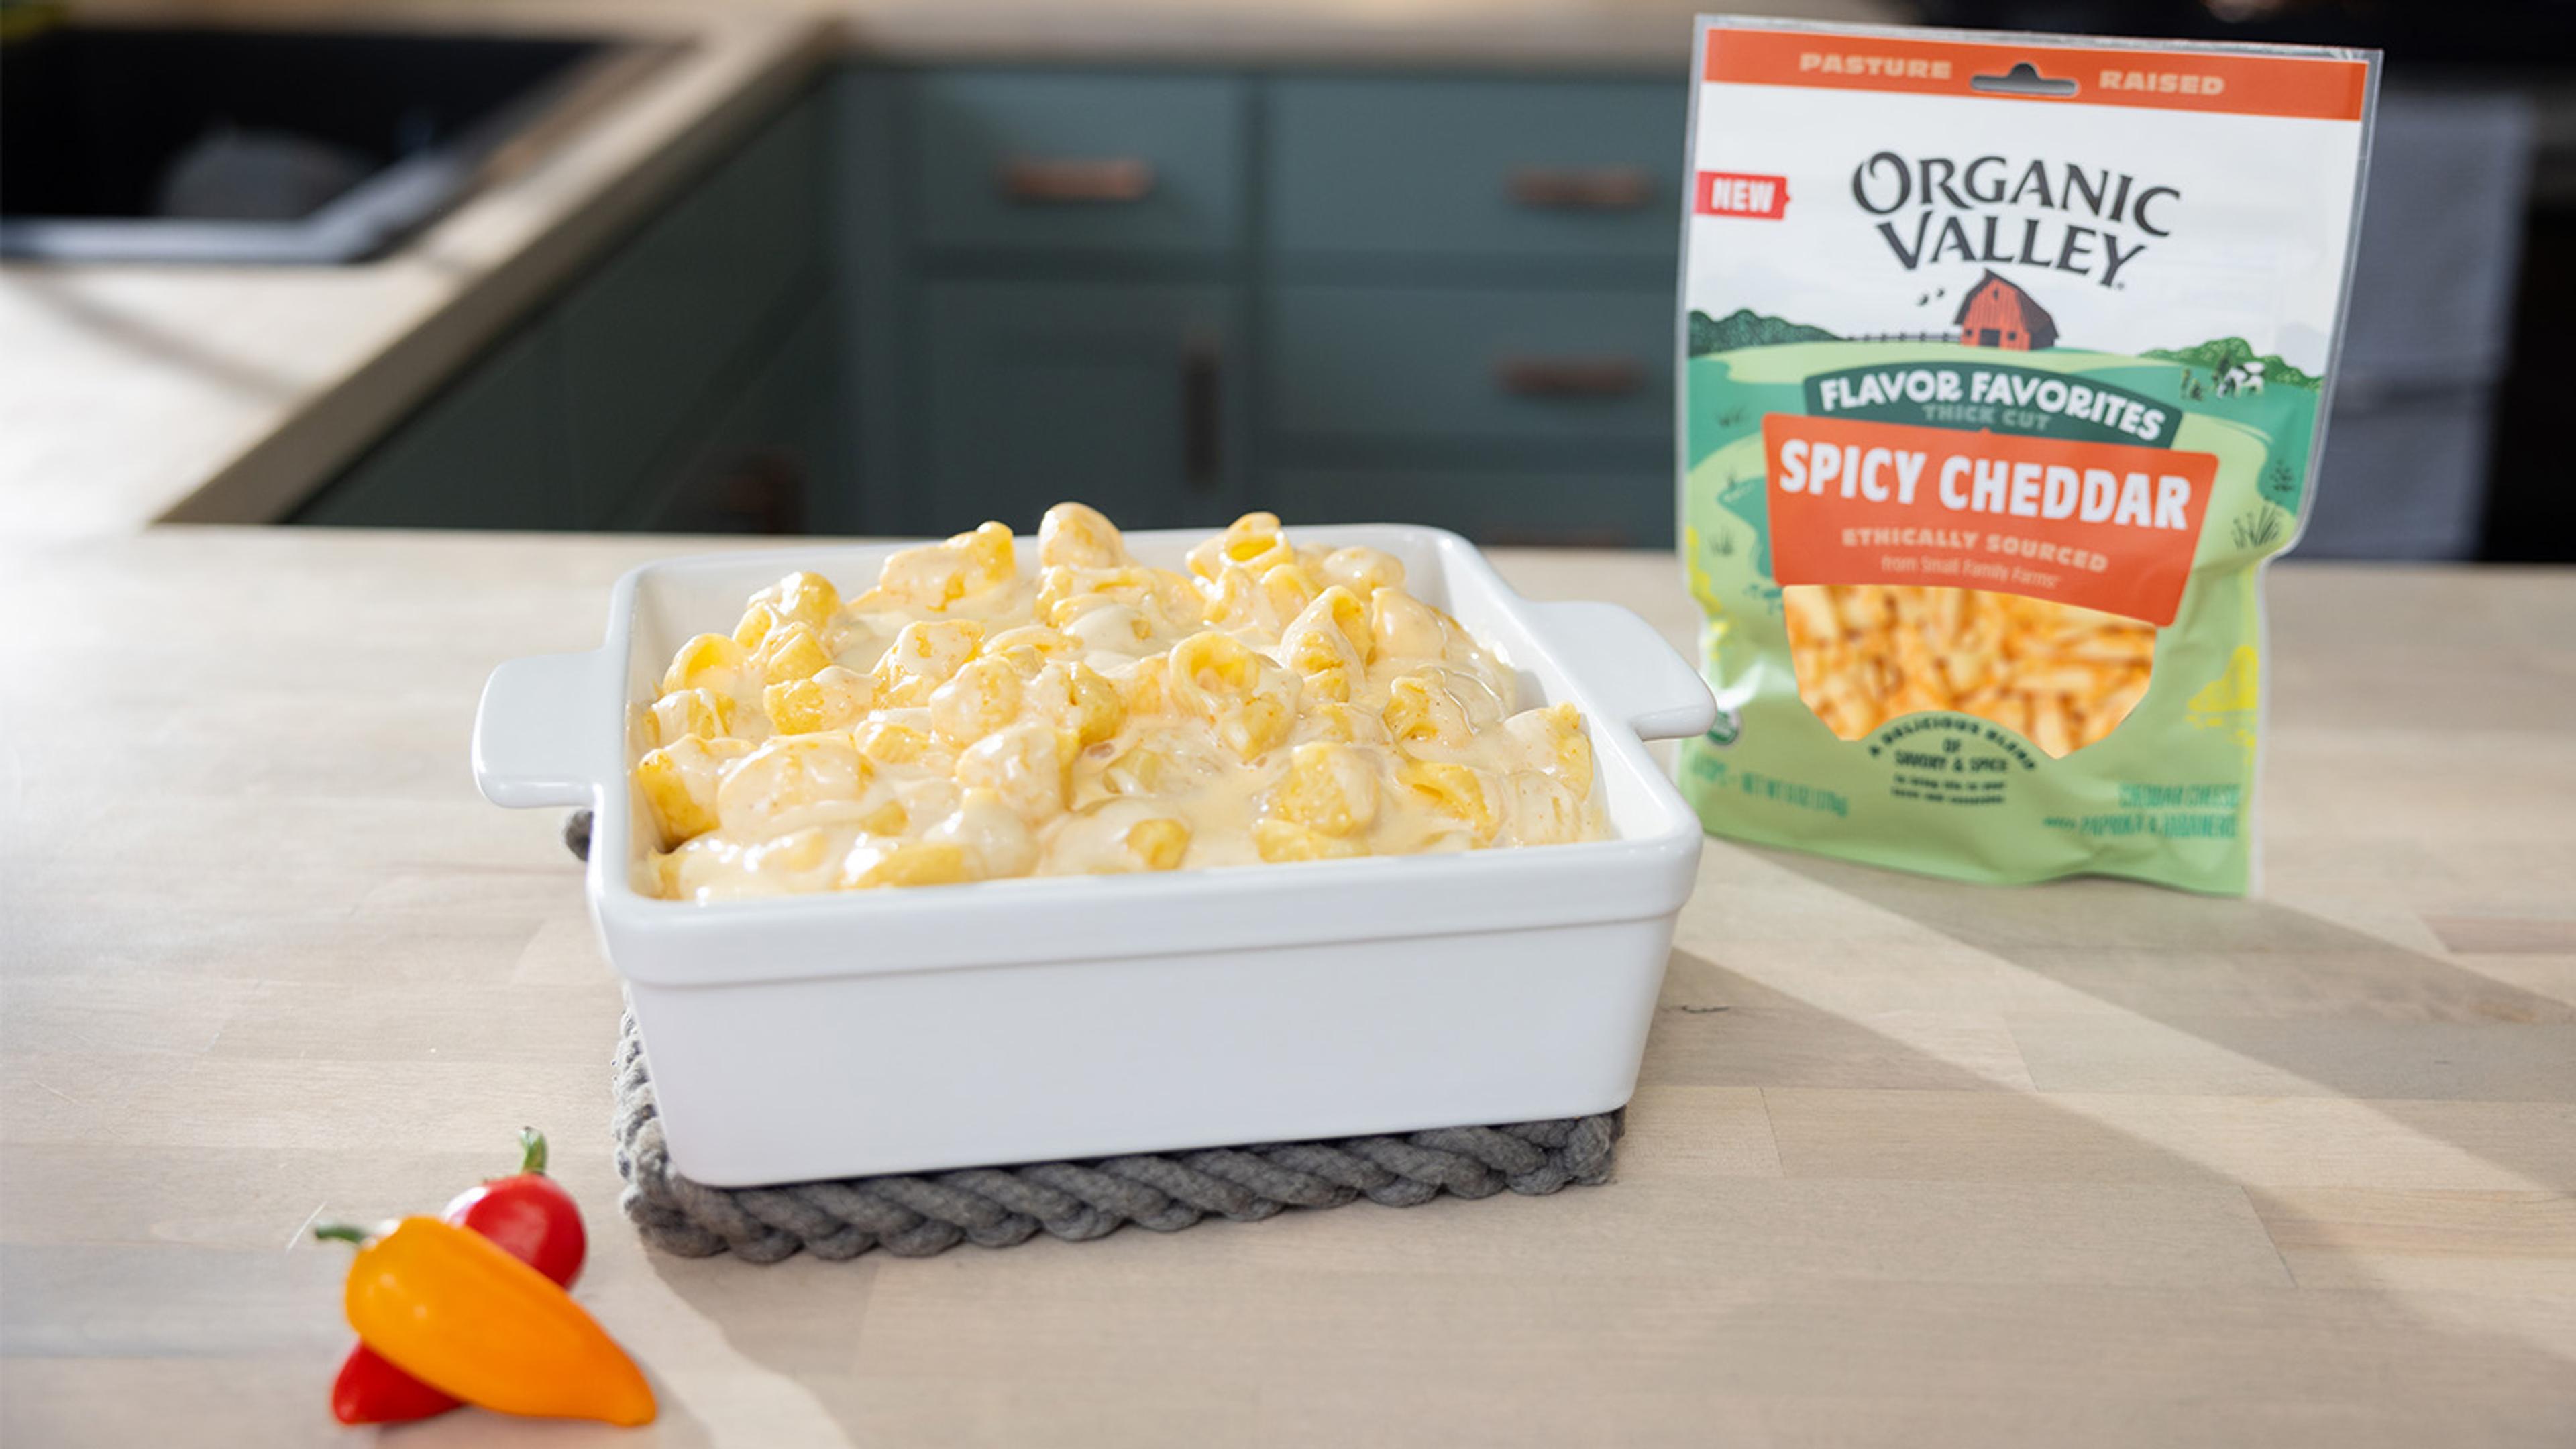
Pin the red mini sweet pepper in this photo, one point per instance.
(530, 1217)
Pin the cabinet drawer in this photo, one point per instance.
(770, 463)
(1121, 395)
(1495, 363)
(1476, 167)
(649, 337)
(1079, 162)
(1616, 510)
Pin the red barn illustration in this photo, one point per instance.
(1998, 314)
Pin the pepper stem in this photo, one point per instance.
(532, 1150)
(342, 1233)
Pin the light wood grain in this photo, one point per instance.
(1911, 1164)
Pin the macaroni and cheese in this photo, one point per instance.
(967, 718)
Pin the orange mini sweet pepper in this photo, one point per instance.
(452, 1309)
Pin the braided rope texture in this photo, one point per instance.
(919, 1215)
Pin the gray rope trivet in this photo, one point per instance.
(915, 1216)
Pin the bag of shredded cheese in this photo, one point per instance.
(2005, 367)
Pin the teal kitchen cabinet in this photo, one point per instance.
(1467, 303)
(920, 298)
(1471, 170)
(654, 335)
(1078, 161)
(1048, 293)
(1515, 363)
(1496, 505)
(588, 415)
(1126, 396)
(773, 461)
(1441, 298)
(490, 451)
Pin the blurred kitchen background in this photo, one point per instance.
(925, 264)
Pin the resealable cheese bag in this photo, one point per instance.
(2005, 366)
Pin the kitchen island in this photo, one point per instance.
(1910, 1163)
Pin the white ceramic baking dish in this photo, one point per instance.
(1023, 1020)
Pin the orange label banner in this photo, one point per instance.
(2327, 88)
(2102, 525)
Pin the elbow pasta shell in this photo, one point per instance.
(1147, 686)
(1552, 739)
(1209, 670)
(1257, 725)
(1287, 589)
(889, 743)
(684, 712)
(709, 661)
(1328, 644)
(833, 699)
(1160, 843)
(1404, 627)
(1234, 600)
(1331, 788)
(1030, 647)
(1544, 811)
(791, 652)
(1078, 698)
(756, 623)
(1028, 765)
(800, 598)
(1421, 714)
(679, 783)
(1252, 541)
(997, 841)
(1363, 571)
(1072, 534)
(788, 774)
(1101, 625)
(1461, 793)
(924, 654)
(977, 700)
(936, 575)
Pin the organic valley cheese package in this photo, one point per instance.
(2005, 360)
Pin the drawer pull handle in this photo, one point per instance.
(1569, 376)
(1558, 188)
(1114, 179)
(1202, 417)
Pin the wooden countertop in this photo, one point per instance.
(131, 394)
(1911, 1163)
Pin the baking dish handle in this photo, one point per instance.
(527, 741)
(1644, 683)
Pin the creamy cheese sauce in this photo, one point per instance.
(966, 718)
